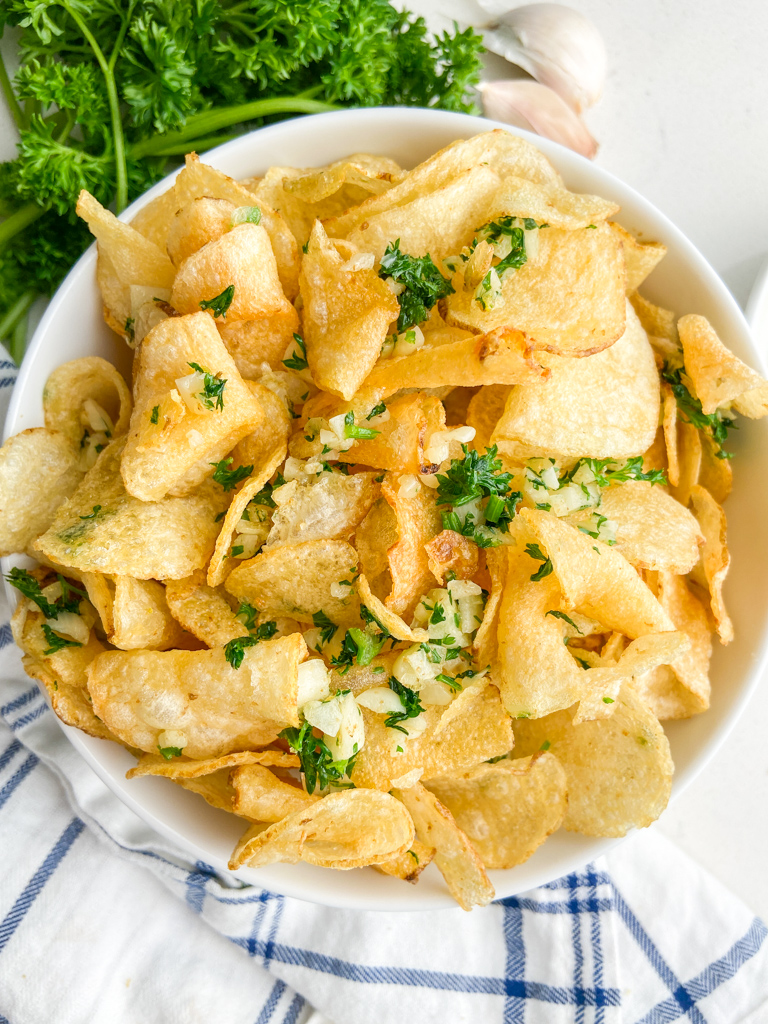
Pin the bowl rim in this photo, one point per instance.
(564, 159)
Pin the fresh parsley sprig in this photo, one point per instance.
(616, 471)
(351, 429)
(424, 284)
(26, 584)
(478, 477)
(689, 409)
(318, 766)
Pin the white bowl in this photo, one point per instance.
(73, 327)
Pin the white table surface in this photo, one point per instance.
(683, 119)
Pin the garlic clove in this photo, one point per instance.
(538, 109)
(557, 46)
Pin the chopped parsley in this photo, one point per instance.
(247, 615)
(128, 328)
(358, 433)
(561, 615)
(535, 552)
(246, 215)
(219, 304)
(94, 514)
(234, 651)
(454, 684)
(169, 752)
(478, 477)
(155, 414)
(608, 700)
(545, 745)
(27, 585)
(317, 764)
(212, 395)
(326, 627)
(377, 410)
(55, 641)
(230, 478)
(412, 707)
(689, 409)
(616, 471)
(298, 361)
(424, 284)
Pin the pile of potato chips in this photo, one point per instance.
(406, 532)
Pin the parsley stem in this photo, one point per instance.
(19, 220)
(198, 145)
(10, 97)
(11, 321)
(121, 172)
(213, 120)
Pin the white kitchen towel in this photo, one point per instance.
(104, 922)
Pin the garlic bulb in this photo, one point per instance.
(539, 109)
(557, 46)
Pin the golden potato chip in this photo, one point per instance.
(669, 426)
(715, 558)
(199, 222)
(485, 644)
(203, 611)
(39, 470)
(715, 474)
(681, 688)
(177, 534)
(689, 456)
(298, 215)
(437, 223)
(753, 404)
(154, 220)
(373, 538)
(485, 410)
(360, 172)
(717, 375)
(570, 298)
(418, 522)
(196, 701)
(296, 580)
(548, 203)
(221, 561)
(450, 551)
(142, 619)
(653, 531)
(257, 448)
(330, 509)
(214, 788)
(506, 809)
(478, 730)
(619, 771)
(640, 258)
(455, 856)
(505, 153)
(176, 456)
(126, 257)
(501, 357)
(603, 406)
(262, 796)
(63, 673)
(657, 321)
(388, 619)
(346, 316)
(409, 865)
(180, 768)
(596, 579)
(91, 379)
(101, 594)
(252, 343)
(241, 266)
(343, 830)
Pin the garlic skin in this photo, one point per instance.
(538, 109)
(557, 46)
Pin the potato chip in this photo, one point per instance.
(606, 405)
(478, 730)
(450, 551)
(506, 809)
(262, 796)
(653, 531)
(221, 561)
(409, 865)
(179, 768)
(330, 509)
(241, 260)
(438, 223)
(214, 788)
(505, 153)
(389, 620)
(346, 316)
(548, 203)
(657, 321)
(199, 222)
(501, 357)
(257, 448)
(360, 172)
(715, 474)
(343, 830)
(717, 375)
(570, 298)
(165, 455)
(596, 579)
(681, 688)
(101, 594)
(485, 410)
(154, 220)
(418, 522)
(74, 383)
(640, 258)
(203, 611)
(252, 343)
(296, 580)
(39, 470)
(63, 673)
(177, 534)
(715, 558)
(455, 856)
(689, 455)
(669, 427)
(142, 619)
(619, 771)
(197, 697)
(485, 645)
(373, 538)
(298, 215)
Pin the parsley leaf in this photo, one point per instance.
(94, 514)
(326, 627)
(411, 705)
(230, 478)
(55, 641)
(247, 614)
(478, 477)
(689, 409)
(234, 651)
(535, 552)
(155, 414)
(212, 395)
(169, 752)
(561, 615)
(298, 361)
(424, 284)
(219, 304)
(27, 585)
(615, 471)
(377, 410)
(359, 433)
(317, 764)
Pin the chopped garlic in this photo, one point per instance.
(70, 624)
(408, 486)
(324, 715)
(396, 287)
(360, 261)
(351, 735)
(380, 699)
(438, 449)
(92, 415)
(436, 693)
(190, 387)
(172, 738)
(408, 342)
(313, 681)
